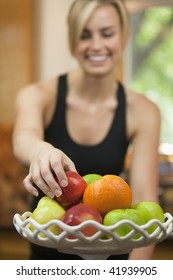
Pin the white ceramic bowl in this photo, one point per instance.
(96, 246)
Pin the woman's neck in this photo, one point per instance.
(93, 88)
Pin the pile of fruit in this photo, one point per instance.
(104, 199)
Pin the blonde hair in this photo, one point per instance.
(81, 10)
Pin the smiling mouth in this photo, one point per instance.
(97, 59)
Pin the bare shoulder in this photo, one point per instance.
(141, 111)
(41, 92)
(37, 101)
(138, 101)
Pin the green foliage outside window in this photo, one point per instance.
(152, 62)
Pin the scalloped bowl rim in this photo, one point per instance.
(163, 231)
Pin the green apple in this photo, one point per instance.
(47, 209)
(150, 210)
(90, 178)
(118, 215)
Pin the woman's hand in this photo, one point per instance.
(47, 171)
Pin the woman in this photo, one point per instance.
(85, 120)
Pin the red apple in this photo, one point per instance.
(73, 192)
(80, 213)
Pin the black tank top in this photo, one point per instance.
(106, 157)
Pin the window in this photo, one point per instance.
(149, 57)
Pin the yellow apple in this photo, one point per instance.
(47, 209)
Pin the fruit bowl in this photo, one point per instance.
(98, 246)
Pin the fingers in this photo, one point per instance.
(69, 166)
(43, 178)
(48, 175)
(32, 185)
(60, 166)
(57, 167)
(52, 184)
(28, 184)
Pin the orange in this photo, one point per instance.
(108, 193)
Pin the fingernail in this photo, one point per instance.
(35, 193)
(64, 183)
(58, 193)
(50, 194)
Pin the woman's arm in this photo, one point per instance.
(145, 158)
(30, 149)
(144, 161)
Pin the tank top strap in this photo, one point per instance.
(121, 110)
(61, 93)
(60, 109)
(118, 127)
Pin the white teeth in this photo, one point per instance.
(97, 58)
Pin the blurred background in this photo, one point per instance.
(33, 46)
